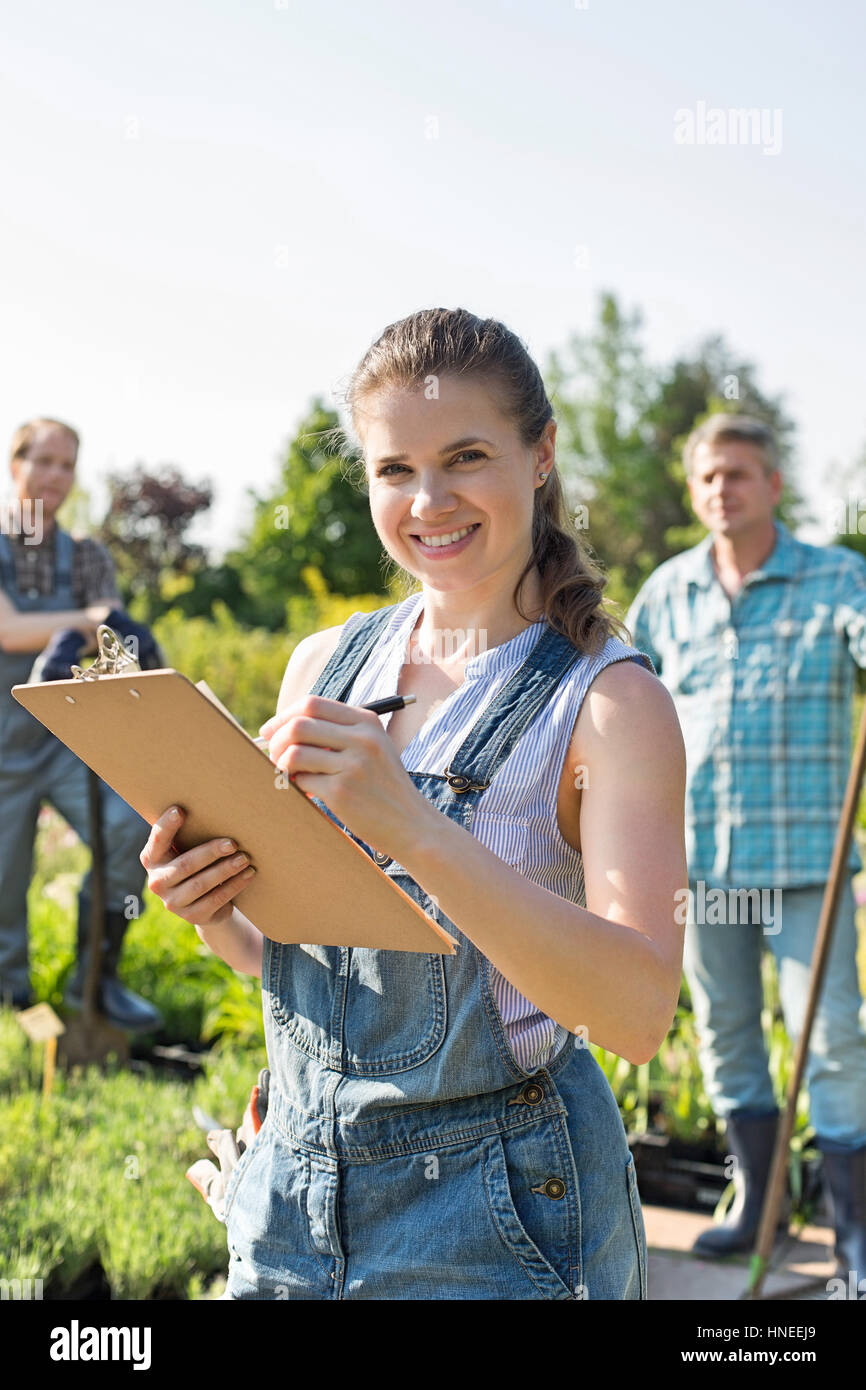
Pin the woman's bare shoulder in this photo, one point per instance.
(306, 664)
(627, 705)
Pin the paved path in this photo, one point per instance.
(676, 1274)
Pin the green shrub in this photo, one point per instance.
(244, 667)
(96, 1172)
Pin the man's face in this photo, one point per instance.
(48, 470)
(731, 494)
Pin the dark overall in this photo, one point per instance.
(34, 767)
(405, 1153)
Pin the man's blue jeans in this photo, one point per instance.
(722, 964)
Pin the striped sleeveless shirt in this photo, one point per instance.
(516, 818)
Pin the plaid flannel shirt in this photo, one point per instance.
(763, 687)
(93, 575)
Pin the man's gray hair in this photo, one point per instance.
(722, 426)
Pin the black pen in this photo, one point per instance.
(391, 702)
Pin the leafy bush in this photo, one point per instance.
(96, 1171)
(243, 666)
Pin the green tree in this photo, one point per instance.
(316, 517)
(601, 396)
(622, 427)
(690, 390)
(144, 529)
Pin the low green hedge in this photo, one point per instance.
(95, 1172)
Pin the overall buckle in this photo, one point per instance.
(458, 782)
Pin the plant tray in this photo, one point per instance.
(671, 1173)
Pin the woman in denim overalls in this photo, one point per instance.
(406, 1152)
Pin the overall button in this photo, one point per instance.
(554, 1188)
(532, 1094)
(380, 857)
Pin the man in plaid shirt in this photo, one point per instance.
(757, 637)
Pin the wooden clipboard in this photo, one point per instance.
(159, 740)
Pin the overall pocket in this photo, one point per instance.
(396, 1014)
(637, 1223)
(395, 1011)
(240, 1169)
(533, 1198)
(360, 1011)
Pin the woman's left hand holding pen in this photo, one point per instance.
(342, 754)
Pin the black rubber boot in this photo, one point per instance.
(751, 1138)
(119, 1005)
(845, 1175)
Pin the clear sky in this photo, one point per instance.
(212, 207)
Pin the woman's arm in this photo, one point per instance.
(611, 971)
(236, 941)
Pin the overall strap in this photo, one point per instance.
(7, 565)
(352, 650)
(64, 553)
(499, 727)
(63, 557)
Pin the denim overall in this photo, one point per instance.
(405, 1153)
(36, 766)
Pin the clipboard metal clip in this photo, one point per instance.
(112, 657)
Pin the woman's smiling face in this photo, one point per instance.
(439, 466)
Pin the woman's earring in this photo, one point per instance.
(542, 476)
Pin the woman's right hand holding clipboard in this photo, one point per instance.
(199, 884)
